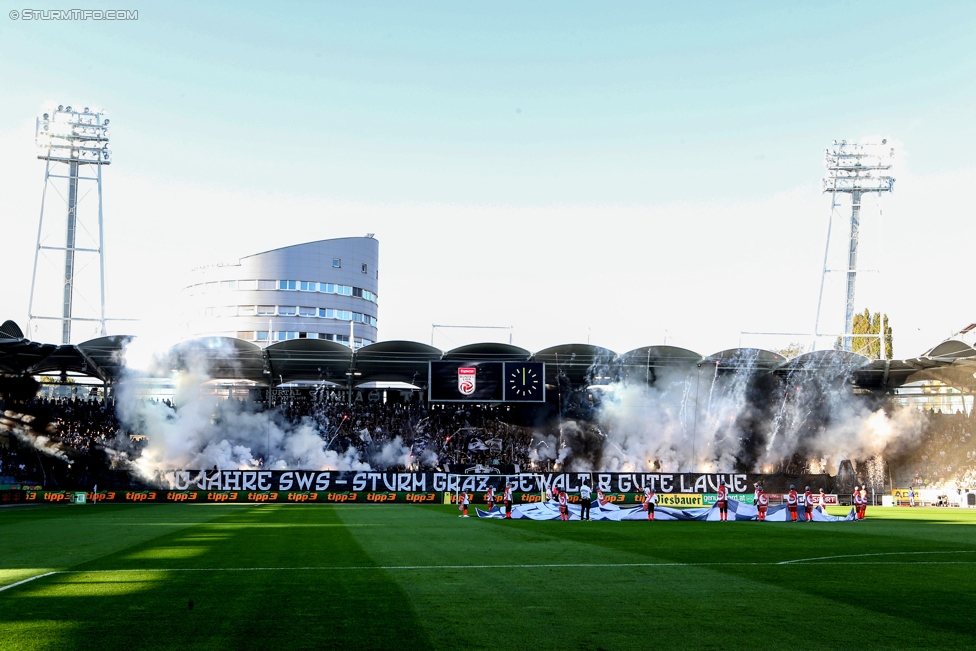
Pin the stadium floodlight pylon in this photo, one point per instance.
(71, 142)
(854, 169)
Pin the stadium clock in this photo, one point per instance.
(525, 381)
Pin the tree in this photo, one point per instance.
(792, 350)
(870, 324)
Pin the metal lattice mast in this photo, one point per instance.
(69, 141)
(852, 169)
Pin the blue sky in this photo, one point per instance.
(680, 121)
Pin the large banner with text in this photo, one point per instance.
(368, 487)
(421, 482)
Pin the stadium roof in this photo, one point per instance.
(488, 351)
(952, 362)
(746, 359)
(309, 359)
(395, 361)
(579, 363)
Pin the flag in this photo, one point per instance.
(477, 444)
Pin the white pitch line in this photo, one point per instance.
(27, 580)
(527, 566)
(826, 558)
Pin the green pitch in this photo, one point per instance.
(419, 577)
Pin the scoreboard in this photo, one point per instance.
(487, 382)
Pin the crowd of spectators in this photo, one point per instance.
(436, 435)
(946, 454)
(77, 423)
(18, 465)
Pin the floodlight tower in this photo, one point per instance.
(69, 142)
(852, 169)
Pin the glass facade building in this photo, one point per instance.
(316, 290)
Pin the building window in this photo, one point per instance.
(245, 285)
(364, 267)
(306, 311)
(247, 310)
(266, 310)
(228, 310)
(287, 310)
(247, 335)
(262, 335)
(287, 284)
(336, 263)
(326, 313)
(228, 285)
(306, 286)
(267, 284)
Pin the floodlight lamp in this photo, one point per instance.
(69, 109)
(106, 121)
(45, 116)
(60, 107)
(86, 109)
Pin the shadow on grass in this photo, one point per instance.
(231, 610)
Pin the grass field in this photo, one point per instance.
(418, 577)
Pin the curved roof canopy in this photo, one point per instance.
(746, 359)
(952, 349)
(952, 362)
(308, 359)
(831, 362)
(659, 356)
(579, 363)
(395, 361)
(488, 351)
(10, 330)
(219, 357)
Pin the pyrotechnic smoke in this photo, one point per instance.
(22, 426)
(202, 430)
(740, 419)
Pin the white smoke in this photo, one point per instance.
(392, 453)
(692, 420)
(203, 430)
(21, 425)
(680, 424)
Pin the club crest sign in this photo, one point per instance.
(466, 380)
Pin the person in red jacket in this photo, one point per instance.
(808, 504)
(722, 502)
(490, 497)
(856, 502)
(762, 502)
(791, 501)
(508, 501)
(463, 501)
(650, 501)
(563, 505)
